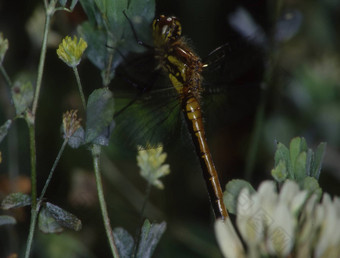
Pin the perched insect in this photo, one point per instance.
(184, 69)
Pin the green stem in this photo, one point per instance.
(80, 88)
(96, 149)
(145, 202)
(31, 129)
(34, 215)
(35, 206)
(41, 63)
(48, 180)
(30, 119)
(34, 210)
(4, 73)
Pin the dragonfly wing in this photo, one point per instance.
(147, 118)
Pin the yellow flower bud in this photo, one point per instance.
(71, 50)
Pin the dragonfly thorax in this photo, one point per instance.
(176, 58)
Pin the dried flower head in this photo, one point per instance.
(71, 50)
(71, 123)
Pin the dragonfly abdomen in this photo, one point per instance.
(193, 115)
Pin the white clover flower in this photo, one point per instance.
(328, 218)
(249, 219)
(227, 239)
(286, 224)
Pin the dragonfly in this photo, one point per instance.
(175, 58)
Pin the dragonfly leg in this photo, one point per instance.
(139, 42)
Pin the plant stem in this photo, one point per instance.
(141, 222)
(31, 129)
(80, 88)
(30, 119)
(96, 149)
(48, 180)
(41, 63)
(34, 209)
(34, 215)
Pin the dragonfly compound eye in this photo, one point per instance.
(166, 28)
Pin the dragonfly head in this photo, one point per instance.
(166, 29)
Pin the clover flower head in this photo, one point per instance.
(71, 123)
(289, 223)
(71, 50)
(150, 160)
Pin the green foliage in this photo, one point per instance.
(148, 240)
(4, 129)
(299, 163)
(15, 200)
(72, 5)
(77, 139)
(99, 114)
(232, 191)
(108, 30)
(47, 224)
(7, 220)
(150, 236)
(22, 94)
(52, 219)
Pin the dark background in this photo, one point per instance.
(302, 99)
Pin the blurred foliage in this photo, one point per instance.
(302, 97)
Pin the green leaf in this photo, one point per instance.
(15, 200)
(312, 185)
(150, 236)
(4, 129)
(77, 139)
(73, 4)
(62, 2)
(232, 191)
(280, 172)
(47, 223)
(99, 114)
(109, 34)
(124, 242)
(96, 40)
(93, 13)
(22, 94)
(7, 220)
(64, 218)
(309, 160)
(294, 149)
(317, 160)
(300, 166)
(282, 153)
